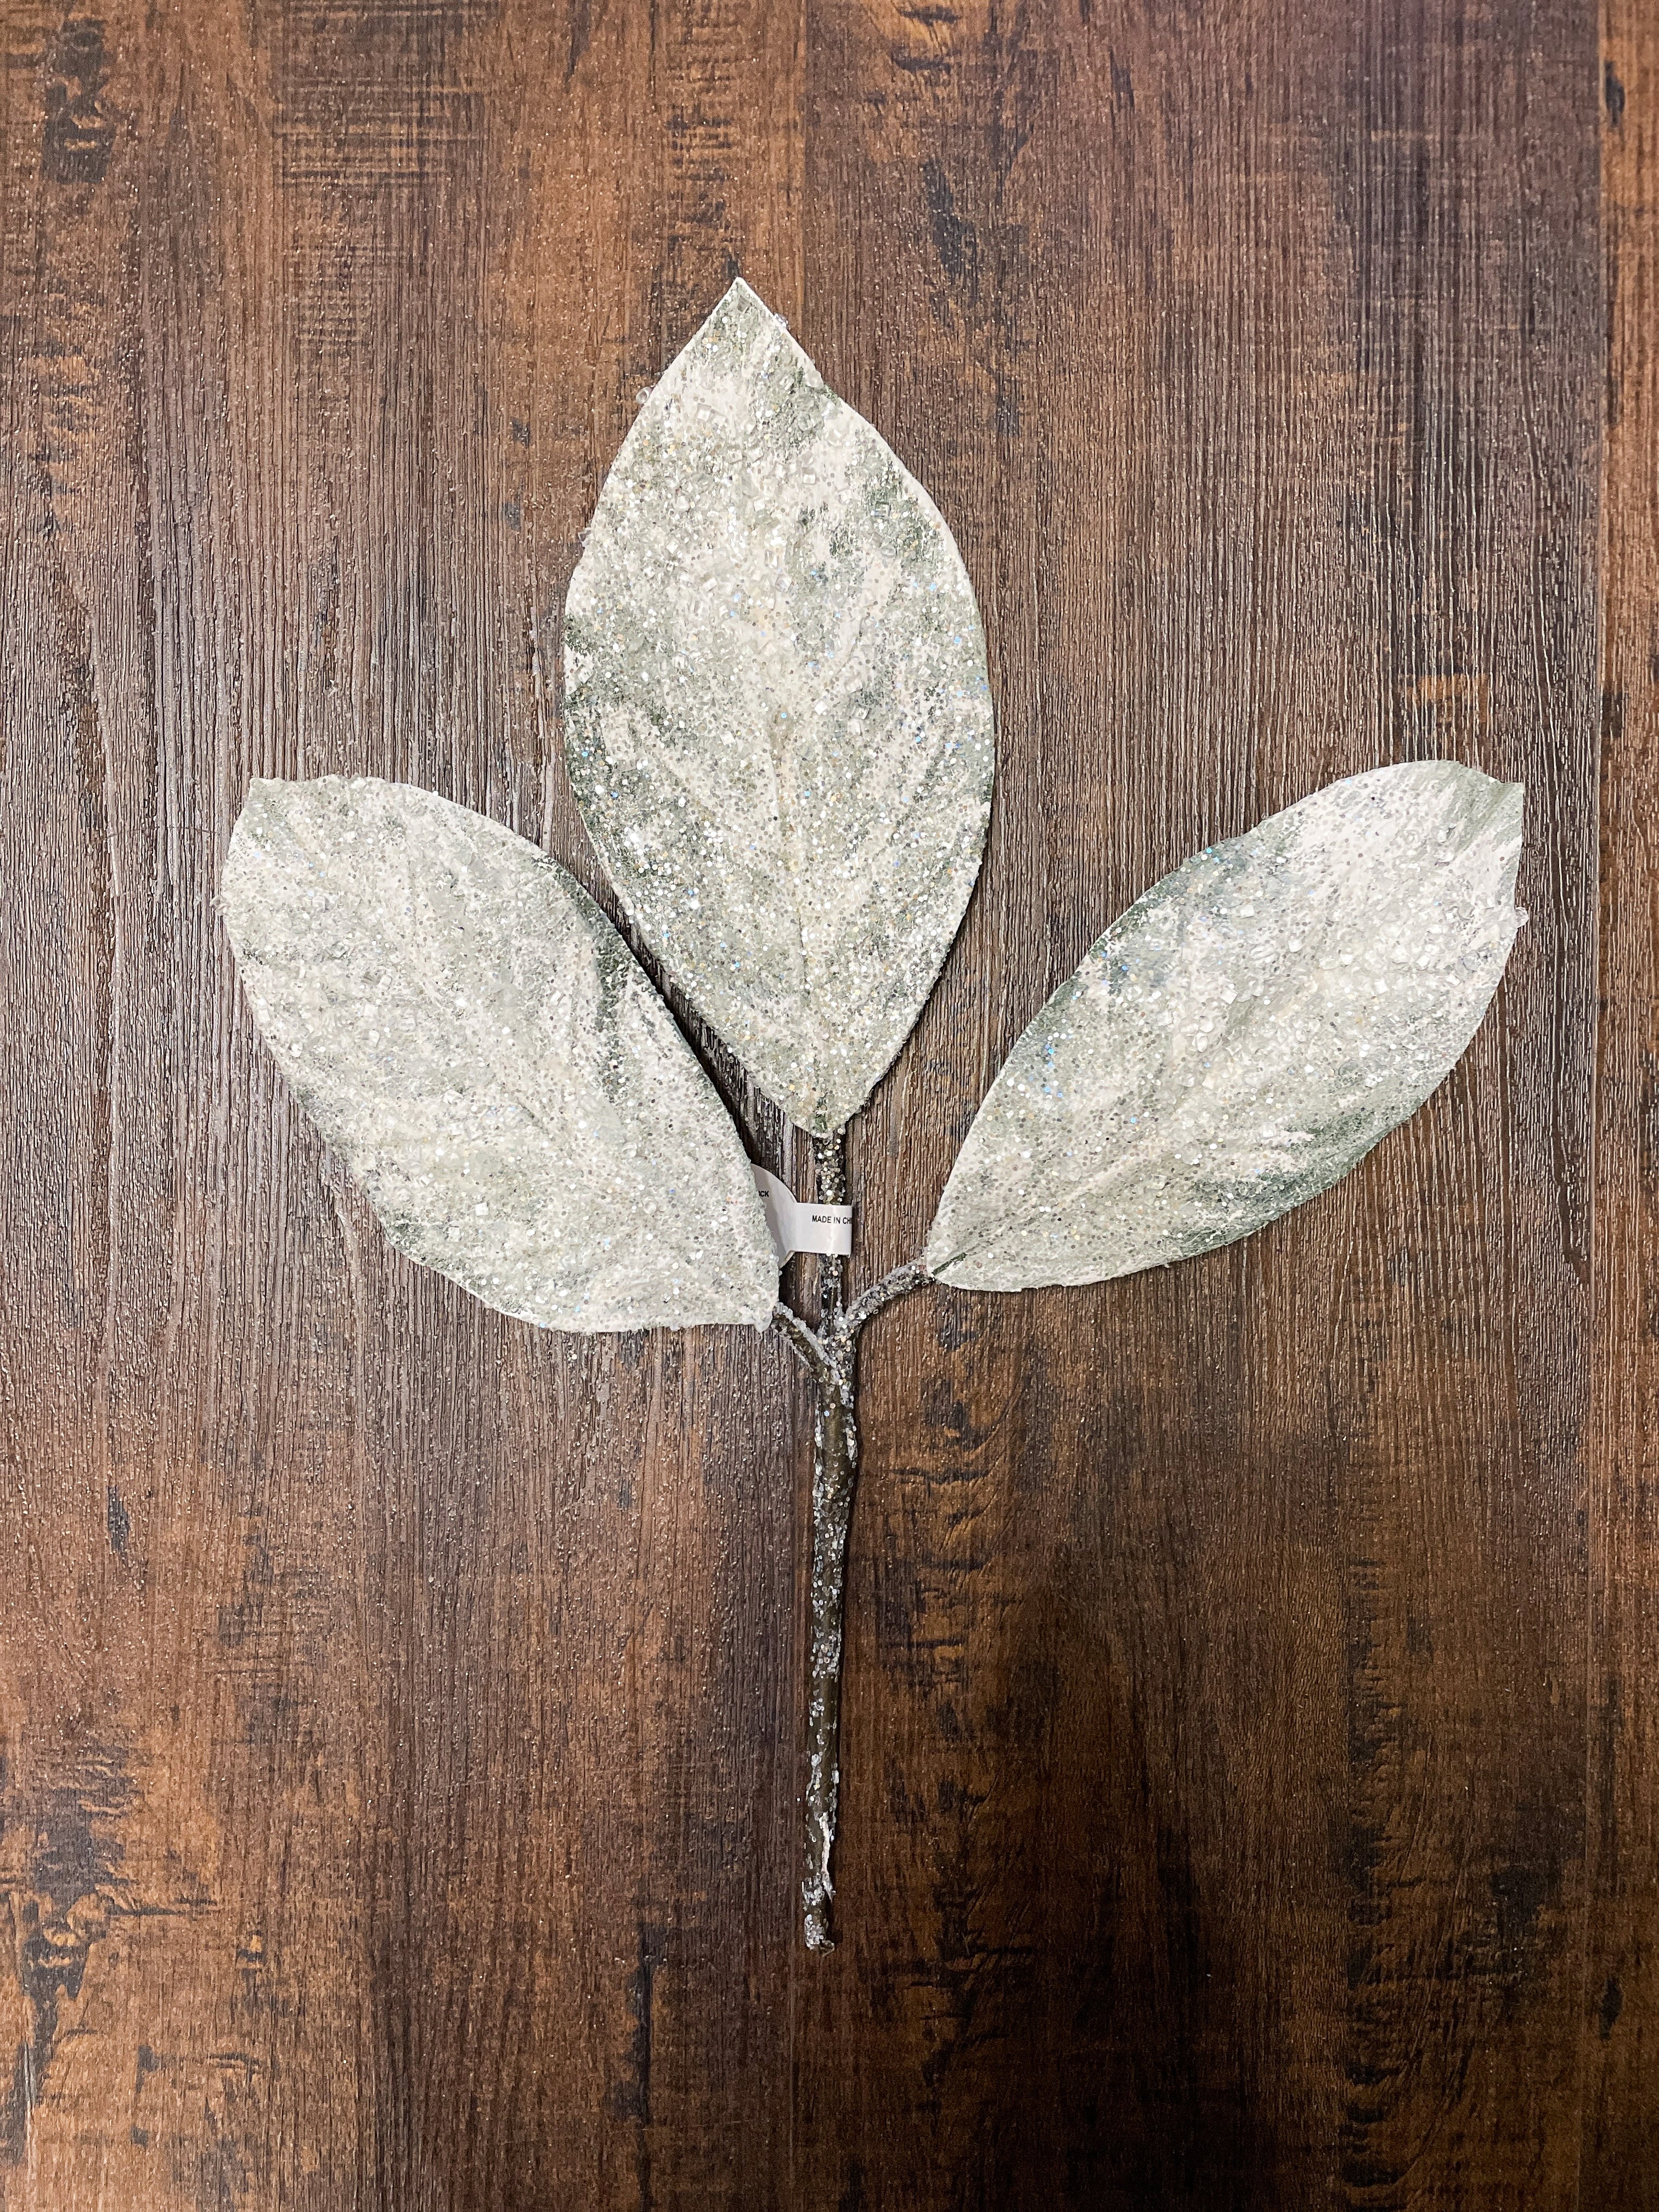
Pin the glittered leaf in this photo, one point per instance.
(482, 1051)
(777, 717)
(1242, 1036)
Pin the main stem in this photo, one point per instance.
(834, 1473)
(830, 1351)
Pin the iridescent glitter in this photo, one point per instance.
(1242, 1036)
(777, 717)
(483, 1053)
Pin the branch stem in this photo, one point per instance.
(831, 1352)
(807, 1345)
(898, 1285)
(834, 1473)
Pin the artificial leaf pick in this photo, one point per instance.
(780, 737)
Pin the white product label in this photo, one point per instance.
(801, 1225)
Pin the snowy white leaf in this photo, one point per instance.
(777, 718)
(1242, 1036)
(482, 1051)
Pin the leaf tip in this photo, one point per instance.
(255, 818)
(741, 308)
(263, 801)
(741, 328)
(741, 292)
(1505, 824)
(273, 799)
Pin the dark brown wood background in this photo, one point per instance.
(1252, 1728)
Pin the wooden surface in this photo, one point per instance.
(1252, 1743)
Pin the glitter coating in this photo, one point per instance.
(1242, 1036)
(484, 1054)
(777, 717)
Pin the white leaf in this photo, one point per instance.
(1237, 1041)
(777, 717)
(482, 1051)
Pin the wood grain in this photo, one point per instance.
(1619, 2021)
(1251, 1780)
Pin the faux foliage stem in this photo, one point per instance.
(830, 1353)
(834, 1473)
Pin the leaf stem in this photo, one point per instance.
(805, 1343)
(898, 1285)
